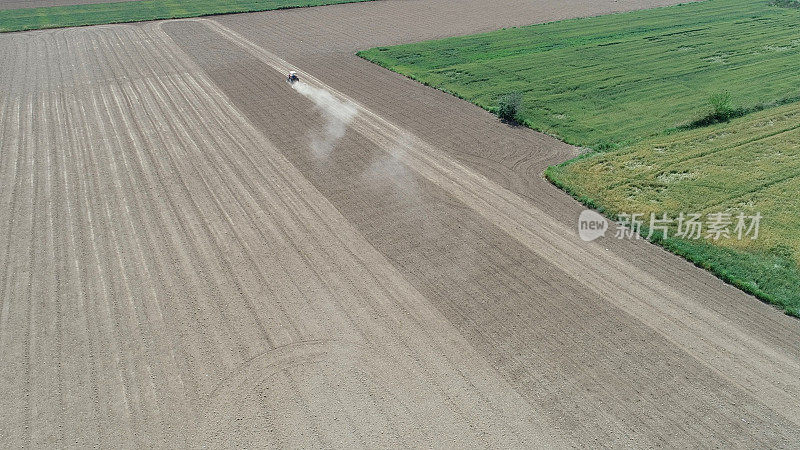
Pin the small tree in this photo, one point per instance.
(721, 106)
(508, 106)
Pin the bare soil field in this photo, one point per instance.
(194, 253)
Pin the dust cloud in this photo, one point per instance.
(337, 115)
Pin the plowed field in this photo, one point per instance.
(197, 253)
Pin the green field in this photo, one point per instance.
(138, 11)
(615, 79)
(750, 165)
(631, 84)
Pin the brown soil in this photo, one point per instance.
(194, 253)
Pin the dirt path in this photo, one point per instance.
(196, 253)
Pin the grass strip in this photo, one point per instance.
(138, 11)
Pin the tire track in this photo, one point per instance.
(189, 336)
(27, 419)
(8, 230)
(197, 262)
(100, 296)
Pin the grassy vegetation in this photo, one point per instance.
(786, 3)
(606, 81)
(137, 11)
(747, 165)
(693, 106)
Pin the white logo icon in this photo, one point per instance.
(591, 225)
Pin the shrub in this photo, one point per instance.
(604, 146)
(721, 111)
(509, 105)
(721, 108)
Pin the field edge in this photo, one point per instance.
(50, 17)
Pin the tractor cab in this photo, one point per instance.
(292, 77)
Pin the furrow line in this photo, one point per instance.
(169, 137)
(197, 106)
(58, 258)
(27, 298)
(149, 142)
(213, 217)
(136, 346)
(90, 340)
(193, 141)
(12, 187)
(152, 314)
(148, 113)
(98, 309)
(185, 288)
(45, 346)
(102, 241)
(223, 141)
(148, 314)
(221, 162)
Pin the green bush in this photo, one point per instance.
(721, 105)
(508, 106)
(722, 110)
